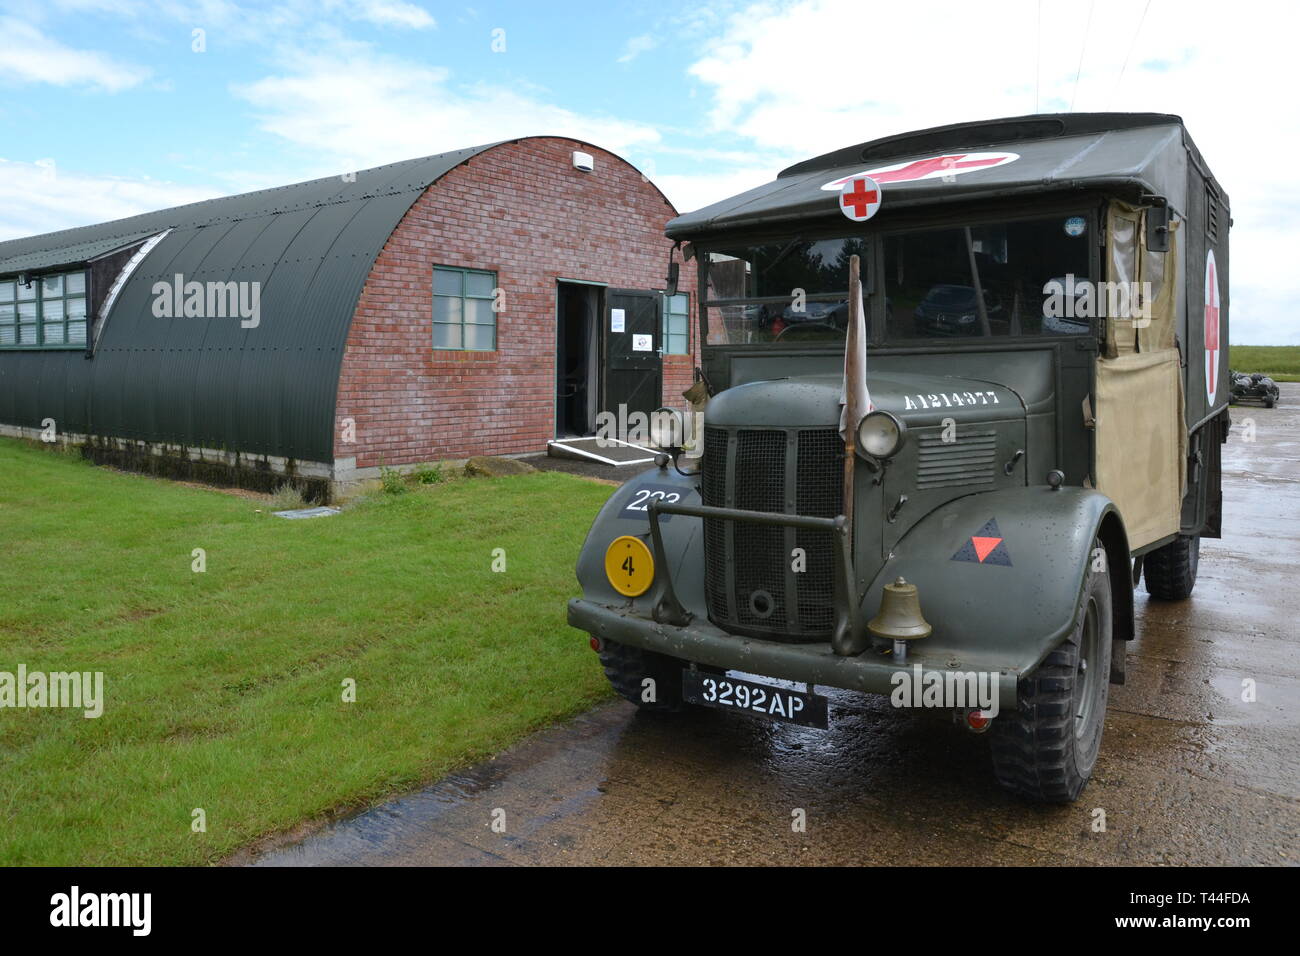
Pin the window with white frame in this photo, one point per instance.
(46, 312)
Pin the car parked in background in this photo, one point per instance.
(954, 310)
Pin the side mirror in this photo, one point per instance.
(671, 287)
(1158, 218)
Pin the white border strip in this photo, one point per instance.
(560, 442)
(121, 280)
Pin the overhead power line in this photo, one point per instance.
(1082, 50)
(1131, 46)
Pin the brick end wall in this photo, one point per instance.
(522, 211)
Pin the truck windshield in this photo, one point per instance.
(997, 279)
(993, 279)
(792, 290)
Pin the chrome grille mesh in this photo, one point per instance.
(749, 581)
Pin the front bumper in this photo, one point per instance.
(703, 643)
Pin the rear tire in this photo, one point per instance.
(628, 668)
(1170, 572)
(1045, 750)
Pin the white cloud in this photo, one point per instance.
(688, 192)
(808, 77)
(636, 46)
(258, 24)
(391, 13)
(354, 106)
(41, 197)
(29, 56)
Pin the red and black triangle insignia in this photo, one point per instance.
(986, 546)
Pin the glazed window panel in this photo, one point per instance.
(463, 315)
(677, 324)
(49, 311)
(1015, 278)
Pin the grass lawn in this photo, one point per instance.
(1282, 362)
(223, 689)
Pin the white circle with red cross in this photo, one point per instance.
(860, 198)
(1212, 327)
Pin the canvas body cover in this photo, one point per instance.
(1141, 440)
(1161, 372)
(1159, 377)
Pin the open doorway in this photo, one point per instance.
(578, 359)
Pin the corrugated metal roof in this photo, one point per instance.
(52, 256)
(1128, 152)
(209, 382)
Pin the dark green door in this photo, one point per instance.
(634, 371)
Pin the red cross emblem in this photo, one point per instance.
(925, 167)
(860, 198)
(1212, 320)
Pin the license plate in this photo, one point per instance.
(761, 700)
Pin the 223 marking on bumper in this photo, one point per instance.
(638, 508)
(762, 700)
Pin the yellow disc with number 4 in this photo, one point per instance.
(629, 566)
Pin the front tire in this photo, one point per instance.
(628, 668)
(1170, 571)
(1046, 750)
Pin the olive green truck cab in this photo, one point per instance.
(1045, 308)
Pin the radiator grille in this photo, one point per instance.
(748, 577)
(713, 491)
(760, 486)
(969, 461)
(821, 494)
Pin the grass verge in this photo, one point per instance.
(1281, 362)
(223, 689)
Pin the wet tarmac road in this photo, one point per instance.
(1189, 772)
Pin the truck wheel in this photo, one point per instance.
(1170, 572)
(628, 668)
(1046, 749)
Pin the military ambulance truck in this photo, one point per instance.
(1046, 317)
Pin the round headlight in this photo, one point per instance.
(880, 435)
(667, 429)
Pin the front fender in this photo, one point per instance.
(624, 513)
(1011, 608)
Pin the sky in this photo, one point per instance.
(114, 107)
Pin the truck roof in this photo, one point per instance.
(1128, 154)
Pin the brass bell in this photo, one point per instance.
(900, 617)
